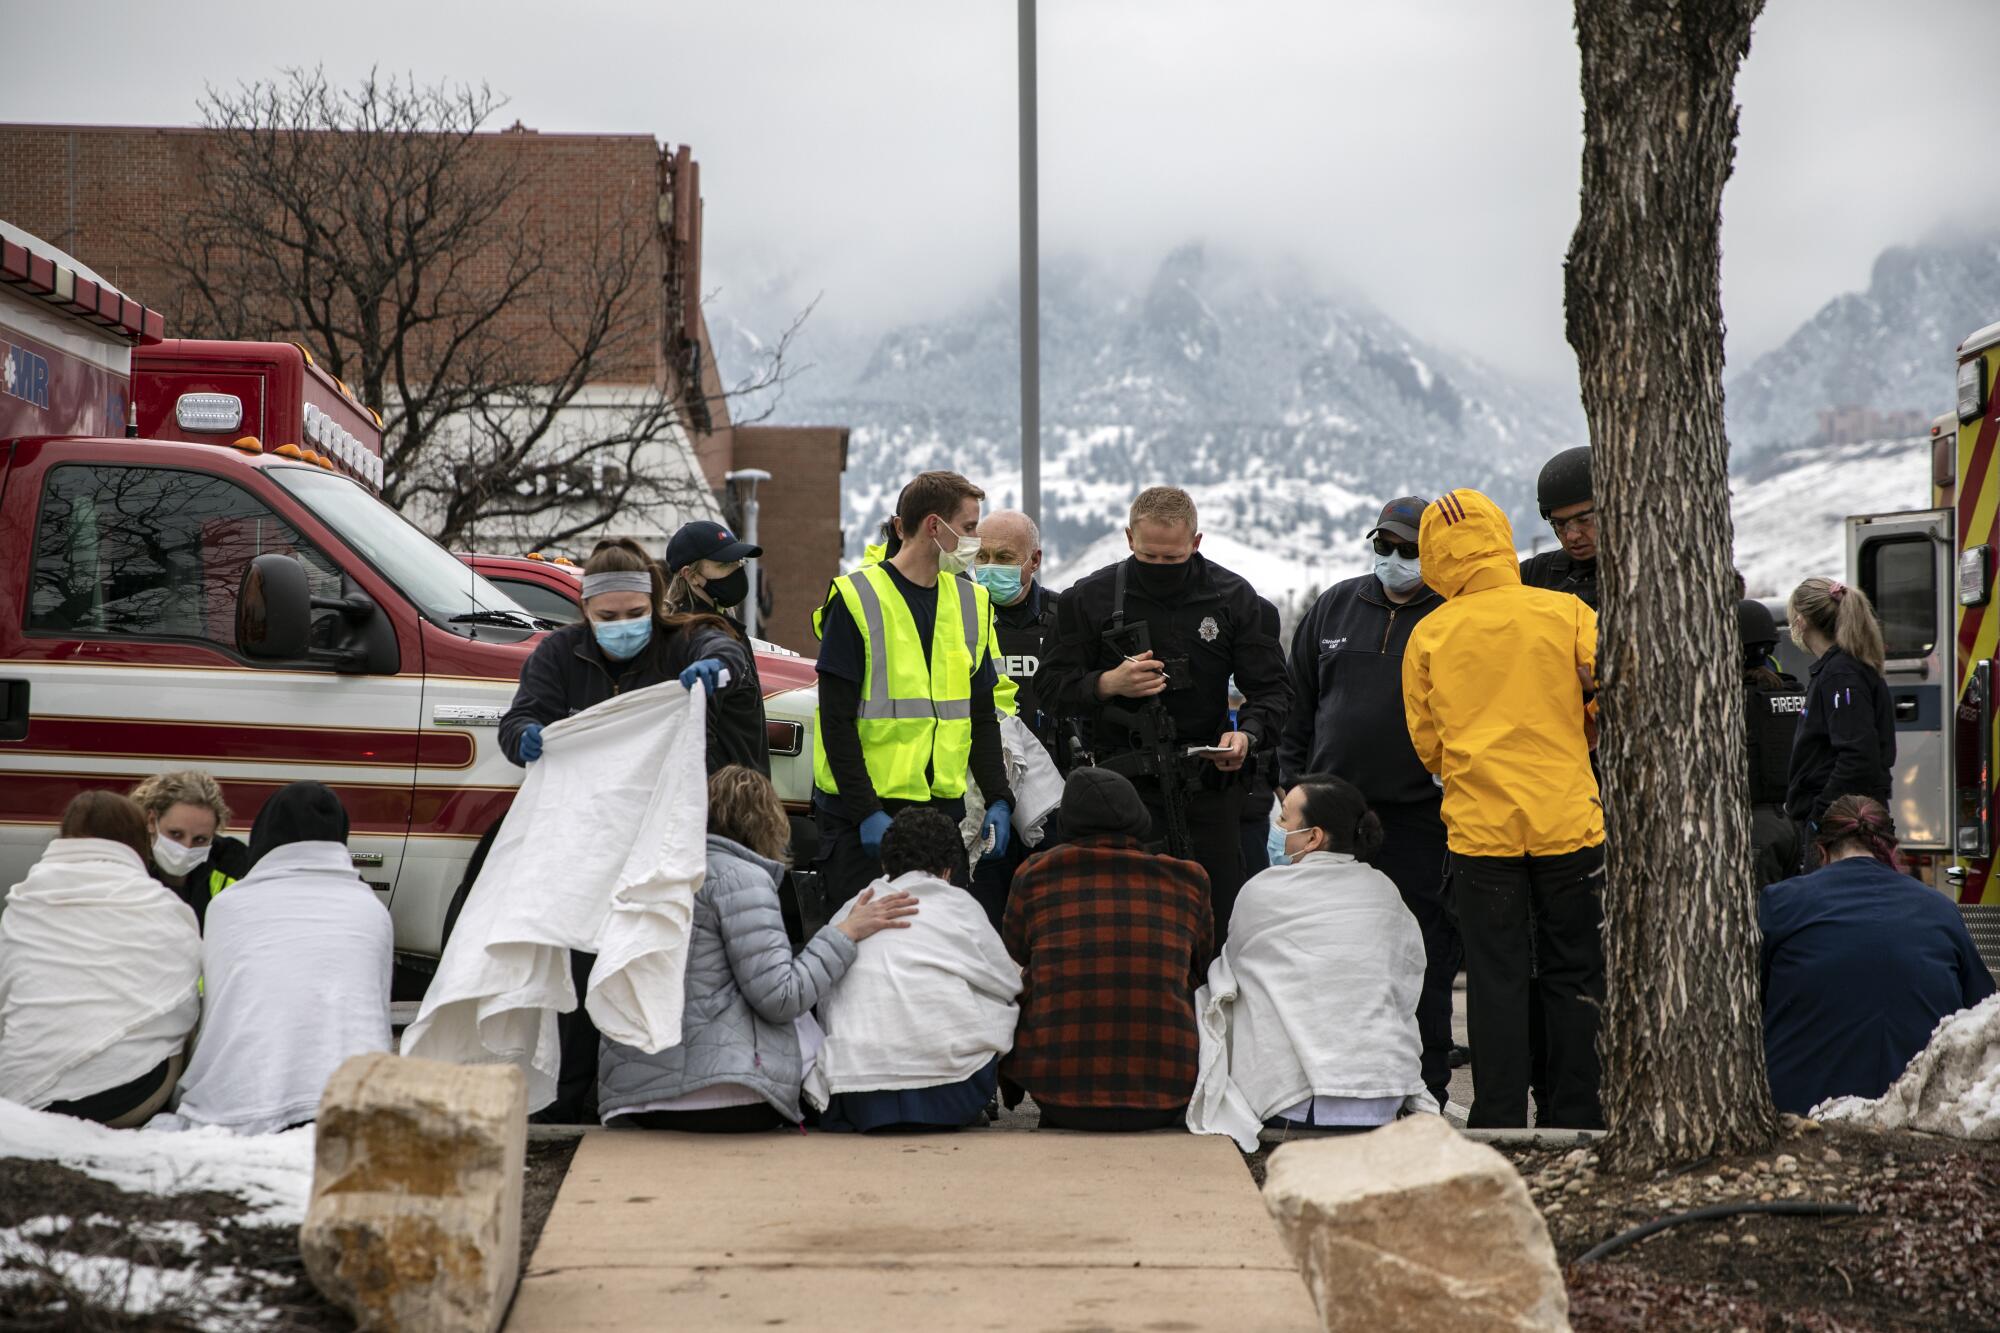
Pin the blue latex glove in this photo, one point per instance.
(872, 829)
(531, 743)
(708, 671)
(1000, 824)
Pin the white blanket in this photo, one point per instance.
(296, 963)
(921, 1007)
(98, 973)
(602, 852)
(1314, 995)
(1038, 787)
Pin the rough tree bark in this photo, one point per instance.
(1682, 1041)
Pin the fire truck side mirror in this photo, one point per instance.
(274, 609)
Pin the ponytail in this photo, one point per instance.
(1843, 616)
(1859, 820)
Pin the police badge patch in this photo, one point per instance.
(1209, 629)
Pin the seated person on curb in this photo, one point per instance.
(747, 1031)
(296, 963)
(1112, 941)
(185, 816)
(1309, 1015)
(915, 1030)
(99, 968)
(1860, 962)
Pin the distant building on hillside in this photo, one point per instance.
(1859, 425)
(104, 193)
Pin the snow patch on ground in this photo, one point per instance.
(28, 1253)
(271, 1173)
(1951, 1088)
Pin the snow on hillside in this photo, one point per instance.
(1791, 510)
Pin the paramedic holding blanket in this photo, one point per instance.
(906, 688)
(626, 641)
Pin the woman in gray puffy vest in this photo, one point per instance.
(747, 1033)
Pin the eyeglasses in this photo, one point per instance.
(1383, 546)
(1587, 519)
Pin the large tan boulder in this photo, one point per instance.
(415, 1220)
(1414, 1227)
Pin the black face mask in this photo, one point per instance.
(730, 589)
(1162, 581)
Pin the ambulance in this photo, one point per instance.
(196, 571)
(1930, 574)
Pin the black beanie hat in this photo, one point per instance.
(302, 812)
(1097, 801)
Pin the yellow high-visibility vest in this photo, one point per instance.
(916, 716)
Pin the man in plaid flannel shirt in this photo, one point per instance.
(1112, 941)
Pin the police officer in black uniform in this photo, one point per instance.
(1024, 617)
(1143, 652)
(1563, 491)
(1772, 704)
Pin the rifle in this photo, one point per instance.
(1157, 755)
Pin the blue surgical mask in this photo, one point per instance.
(1397, 574)
(1274, 847)
(1003, 581)
(623, 639)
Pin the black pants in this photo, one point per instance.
(751, 1119)
(844, 866)
(1774, 844)
(1413, 856)
(119, 1102)
(1215, 820)
(1111, 1119)
(576, 1038)
(1532, 924)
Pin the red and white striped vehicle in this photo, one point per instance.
(195, 571)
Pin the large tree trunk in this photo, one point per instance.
(1682, 1039)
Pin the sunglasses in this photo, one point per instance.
(1383, 546)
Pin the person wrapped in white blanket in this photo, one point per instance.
(99, 967)
(916, 1028)
(296, 964)
(1309, 1014)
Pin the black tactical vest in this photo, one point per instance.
(1771, 714)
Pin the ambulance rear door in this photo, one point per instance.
(1903, 563)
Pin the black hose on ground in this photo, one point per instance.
(1787, 1207)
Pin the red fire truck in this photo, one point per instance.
(195, 571)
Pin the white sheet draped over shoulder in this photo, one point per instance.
(1314, 995)
(602, 852)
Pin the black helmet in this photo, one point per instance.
(1565, 480)
(1755, 625)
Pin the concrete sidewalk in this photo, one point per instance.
(1091, 1233)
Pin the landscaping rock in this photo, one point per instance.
(415, 1217)
(1413, 1226)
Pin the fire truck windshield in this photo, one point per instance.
(445, 590)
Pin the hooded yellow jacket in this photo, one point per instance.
(1492, 695)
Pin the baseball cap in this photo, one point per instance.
(1400, 518)
(705, 539)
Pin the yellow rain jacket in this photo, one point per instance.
(1492, 695)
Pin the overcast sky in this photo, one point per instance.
(1423, 152)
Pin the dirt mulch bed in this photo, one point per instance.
(115, 1230)
(1920, 1256)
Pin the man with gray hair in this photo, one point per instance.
(1024, 615)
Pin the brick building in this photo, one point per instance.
(104, 194)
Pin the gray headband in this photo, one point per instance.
(617, 580)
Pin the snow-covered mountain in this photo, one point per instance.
(1889, 349)
(1791, 506)
(1290, 413)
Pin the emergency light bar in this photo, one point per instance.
(1972, 389)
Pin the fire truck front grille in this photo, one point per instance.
(1984, 923)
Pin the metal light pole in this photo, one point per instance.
(1031, 286)
(753, 475)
